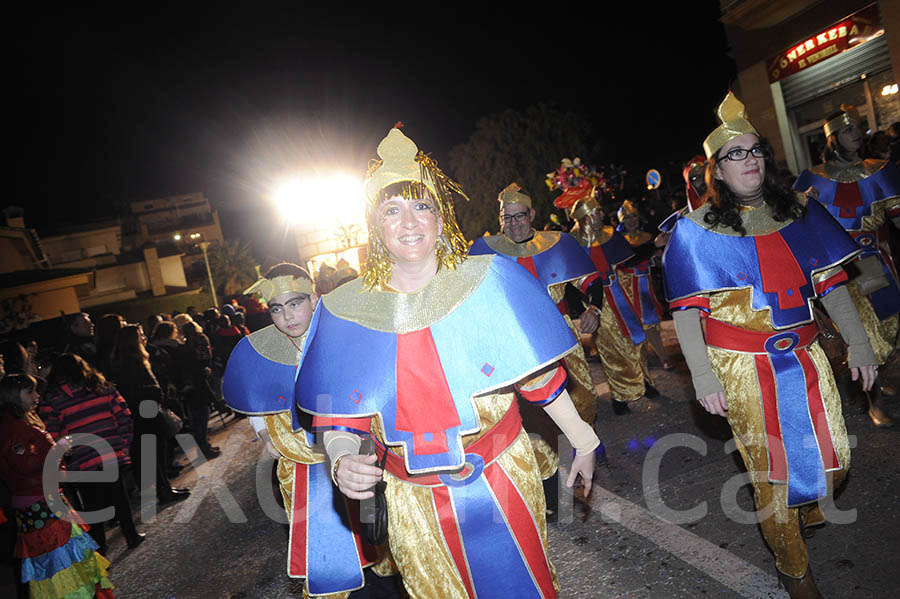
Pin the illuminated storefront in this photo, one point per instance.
(839, 59)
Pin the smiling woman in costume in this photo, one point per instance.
(749, 262)
(425, 353)
(864, 196)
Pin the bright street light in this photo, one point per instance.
(321, 201)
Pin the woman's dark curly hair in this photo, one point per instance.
(725, 208)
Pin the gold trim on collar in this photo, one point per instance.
(756, 221)
(397, 312)
(849, 173)
(541, 242)
(267, 289)
(589, 237)
(639, 238)
(274, 345)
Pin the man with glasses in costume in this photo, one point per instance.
(555, 259)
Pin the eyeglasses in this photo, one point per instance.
(738, 154)
(518, 217)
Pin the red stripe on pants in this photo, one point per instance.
(297, 549)
(522, 526)
(451, 534)
(774, 440)
(817, 412)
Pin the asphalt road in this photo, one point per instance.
(221, 544)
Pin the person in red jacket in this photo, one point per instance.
(79, 400)
(58, 559)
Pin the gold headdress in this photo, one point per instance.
(401, 161)
(734, 123)
(848, 116)
(583, 207)
(267, 289)
(514, 194)
(627, 209)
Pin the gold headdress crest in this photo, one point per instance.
(627, 209)
(267, 289)
(401, 161)
(734, 123)
(848, 116)
(514, 194)
(583, 207)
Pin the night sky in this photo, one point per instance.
(112, 107)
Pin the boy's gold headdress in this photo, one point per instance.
(514, 194)
(267, 289)
(848, 116)
(401, 161)
(734, 123)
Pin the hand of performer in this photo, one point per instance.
(583, 465)
(356, 474)
(267, 443)
(589, 321)
(812, 193)
(868, 374)
(716, 403)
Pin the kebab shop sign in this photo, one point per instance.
(849, 33)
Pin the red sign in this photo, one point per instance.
(849, 33)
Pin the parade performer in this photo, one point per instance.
(694, 174)
(640, 292)
(748, 263)
(324, 545)
(58, 558)
(555, 259)
(448, 341)
(619, 337)
(864, 196)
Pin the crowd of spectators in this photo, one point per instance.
(120, 381)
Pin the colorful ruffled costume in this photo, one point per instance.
(324, 546)
(436, 388)
(58, 558)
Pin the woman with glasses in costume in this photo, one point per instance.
(425, 353)
(864, 196)
(748, 265)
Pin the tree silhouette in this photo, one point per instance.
(233, 267)
(521, 146)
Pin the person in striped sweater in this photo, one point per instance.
(79, 400)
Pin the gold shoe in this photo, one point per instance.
(879, 418)
(800, 588)
(876, 414)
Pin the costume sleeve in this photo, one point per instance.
(544, 386)
(824, 282)
(700, 302)
(693, 346)
(843, 312)
(339, 443)
(358, 425)
(580, 434)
